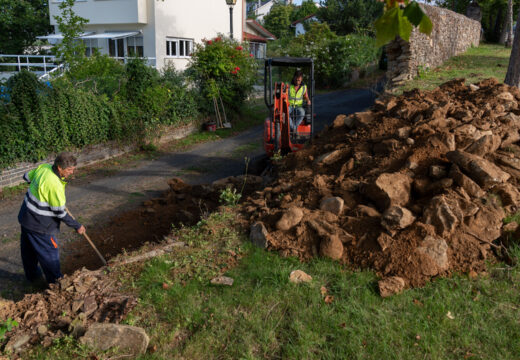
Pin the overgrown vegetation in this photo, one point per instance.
(334, 56)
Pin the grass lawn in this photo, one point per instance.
(478, 63)
(338, 315)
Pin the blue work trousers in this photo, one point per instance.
(40, 249)
(296, 114)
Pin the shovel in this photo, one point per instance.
(90, 242)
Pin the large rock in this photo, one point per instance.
(17, 343)
(332, 204)
(508, 193)
(389, 189)
(331, 247)
(363, 119)
(299, 276)
(434, 255)
(129, 339)
(290, 218)
(391, 285)
(487, 144)
(444, 213)
(484, 172)
(396, 218)
(259, 235)
(466, 183)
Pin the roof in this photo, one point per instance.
(289, 61)
(259, 28)
(91, 35)
(254, 38)
(303, 19)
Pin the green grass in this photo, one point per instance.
(264, 316)
(477, 63)
(9, 192)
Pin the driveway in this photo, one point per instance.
(95, 200)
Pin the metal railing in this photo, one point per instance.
(43, 63)
(57, 71)
(150, 61)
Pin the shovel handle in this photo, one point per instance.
(90, 242)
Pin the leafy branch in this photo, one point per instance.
(399, 18)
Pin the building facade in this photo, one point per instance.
(164, 31)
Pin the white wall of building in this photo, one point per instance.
(106, 11)
(195, 20)
(158, 22)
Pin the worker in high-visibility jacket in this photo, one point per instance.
(42, 211)
(297, 94)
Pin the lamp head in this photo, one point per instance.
(231, 2)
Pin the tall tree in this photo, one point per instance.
(20, 22)
(308, 7)
(347, 16)
(278, 21)
(513, 70)
(70, 49)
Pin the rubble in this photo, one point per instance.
(426, 179)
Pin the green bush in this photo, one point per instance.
(99, 101)
(334, 56)
(223, 67)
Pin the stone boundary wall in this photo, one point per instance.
(452, 34)
(92, 154)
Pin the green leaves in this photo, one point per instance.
(399, 22)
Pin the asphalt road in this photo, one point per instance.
(95, 201)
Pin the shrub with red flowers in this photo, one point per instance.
(222, 67)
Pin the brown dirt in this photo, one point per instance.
(396, 155)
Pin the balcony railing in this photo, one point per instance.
(35, 63)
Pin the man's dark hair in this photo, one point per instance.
(297, 74)
(65, 160)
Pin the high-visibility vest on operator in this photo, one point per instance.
(44, 205)
(296, 97)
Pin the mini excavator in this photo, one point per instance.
(278, 137)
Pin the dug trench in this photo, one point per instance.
(414, 189)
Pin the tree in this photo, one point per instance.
(506, 37)
(347, 16)
(70, 49)
(308, 7)
(278, 21)
(20, 22)
(513, 70)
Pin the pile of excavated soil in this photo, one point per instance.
(417, 187)
(68, 307)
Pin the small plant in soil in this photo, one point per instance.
(229, 196)
(7, 326)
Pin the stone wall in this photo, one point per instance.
(90, 155)
(452, 34)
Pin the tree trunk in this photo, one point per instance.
(504, 34)
(509, 37)
(513, 70)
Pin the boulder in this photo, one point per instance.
(331, 247)
(329, 158)
(290, 218)
(259, 235)
(384, 240)
(433, 252)
(332, 204)
(444, 213)
(299, 276)
(389, 189)
(397, 218)
(128, 339)
(482, 171)
(509, 194)
(363, 119)
(487, 144)
(17, 343)
(465, 182)
(339, 121)
(391, 285)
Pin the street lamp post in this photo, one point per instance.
(231, 3)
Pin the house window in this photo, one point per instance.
(90, 46)
(116, 47)
(179, 47)
(135, 46)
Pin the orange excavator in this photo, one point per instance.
(278, 137)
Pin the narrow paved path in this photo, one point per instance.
(96, 201)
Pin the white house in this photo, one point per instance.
(299, 25)
(164, 30)
(262, 8)
(257, 36)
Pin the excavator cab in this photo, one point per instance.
(278, 137)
